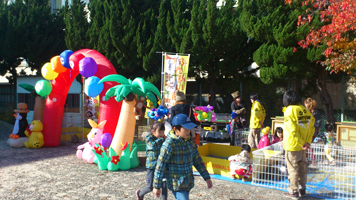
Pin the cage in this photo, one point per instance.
(331, 170)
(142, 131)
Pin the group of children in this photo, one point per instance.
(170, 159)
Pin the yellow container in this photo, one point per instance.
(67, 133)
(207, 128)
(215, 157)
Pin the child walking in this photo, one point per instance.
(154, 141)
(241, 164)
(278, 135)
(235, 125)
(178, 155)
(329, 142)
(264, 142)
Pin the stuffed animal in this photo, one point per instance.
(18, 138)
(85, 151)
(34, 134)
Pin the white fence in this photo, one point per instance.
(331, 170)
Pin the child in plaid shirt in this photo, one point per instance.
(154, 142)
(178, 155)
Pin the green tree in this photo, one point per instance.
(219, 47)
(43, 33)
(76, 21)
(275, 25)
(132, 29)
(11, 38)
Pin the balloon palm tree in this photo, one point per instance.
(128, 91)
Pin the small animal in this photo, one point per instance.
(34, 134)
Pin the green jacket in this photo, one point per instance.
(298, 127)
(258, 114)
(176, 160)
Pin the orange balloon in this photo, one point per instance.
(57, 65)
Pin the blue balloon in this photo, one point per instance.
(65, 58)
(92, 88)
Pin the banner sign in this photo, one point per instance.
(175, 76)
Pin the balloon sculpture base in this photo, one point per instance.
(17, 143)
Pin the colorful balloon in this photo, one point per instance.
(43, 88)
(204, 115)
(92, 86)
(65, 58)
(47, 72)
(87, 67)
(57, 65)
(106, 140)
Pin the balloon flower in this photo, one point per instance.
(87, 67)
(57, 65)
(92, 86)
(43, 88)
(47, 72)
(65, 58)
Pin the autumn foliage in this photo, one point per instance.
(338, 31)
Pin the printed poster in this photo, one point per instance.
(175, 76)
(92, 108)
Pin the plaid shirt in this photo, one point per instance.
(175, 161)
(153, 145)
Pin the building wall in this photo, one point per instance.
(69, 119)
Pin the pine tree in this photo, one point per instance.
(275, 25)
(77, 25)
(43, 34)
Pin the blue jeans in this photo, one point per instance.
(181, 195)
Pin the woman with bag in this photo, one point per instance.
(182, 107)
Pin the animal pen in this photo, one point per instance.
(325, 179)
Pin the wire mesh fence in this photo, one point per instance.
(331, 170)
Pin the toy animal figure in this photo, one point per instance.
(34, 134)
(94, 136)
(18, 138)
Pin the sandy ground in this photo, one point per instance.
(56, 173)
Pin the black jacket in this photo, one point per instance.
(185, 109)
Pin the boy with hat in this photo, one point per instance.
(178, 155)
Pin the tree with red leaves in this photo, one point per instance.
(338, 31)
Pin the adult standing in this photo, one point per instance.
(237, 107)
(258, 114)
(297, 136)
(181, 106)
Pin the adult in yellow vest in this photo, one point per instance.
(297, 136)
(258, 114)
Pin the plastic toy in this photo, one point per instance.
(205, 113)
(34, 134)
(264, 141)
(18, 137)
(85, 151)
(158, 113)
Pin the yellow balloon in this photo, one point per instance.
(204, 115)
(47, 72)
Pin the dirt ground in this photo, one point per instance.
(56, 173)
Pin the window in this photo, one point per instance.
(72, 103)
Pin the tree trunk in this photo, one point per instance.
(325, 97)
(125, 129)
(39, 108)
(212, 98)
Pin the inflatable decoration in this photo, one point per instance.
(205, 113)
(101, 158)
(94, 136)
(47, 72)
(34, 134)
(43, 88)
(65, 58)
(158, 113)
(17, 137)
(128, 91)
(54, 105)
(92, 86)
(134, 160)
(57, 65)
(106, 140)
(125, 163)
(87, 67)
(114, 163)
